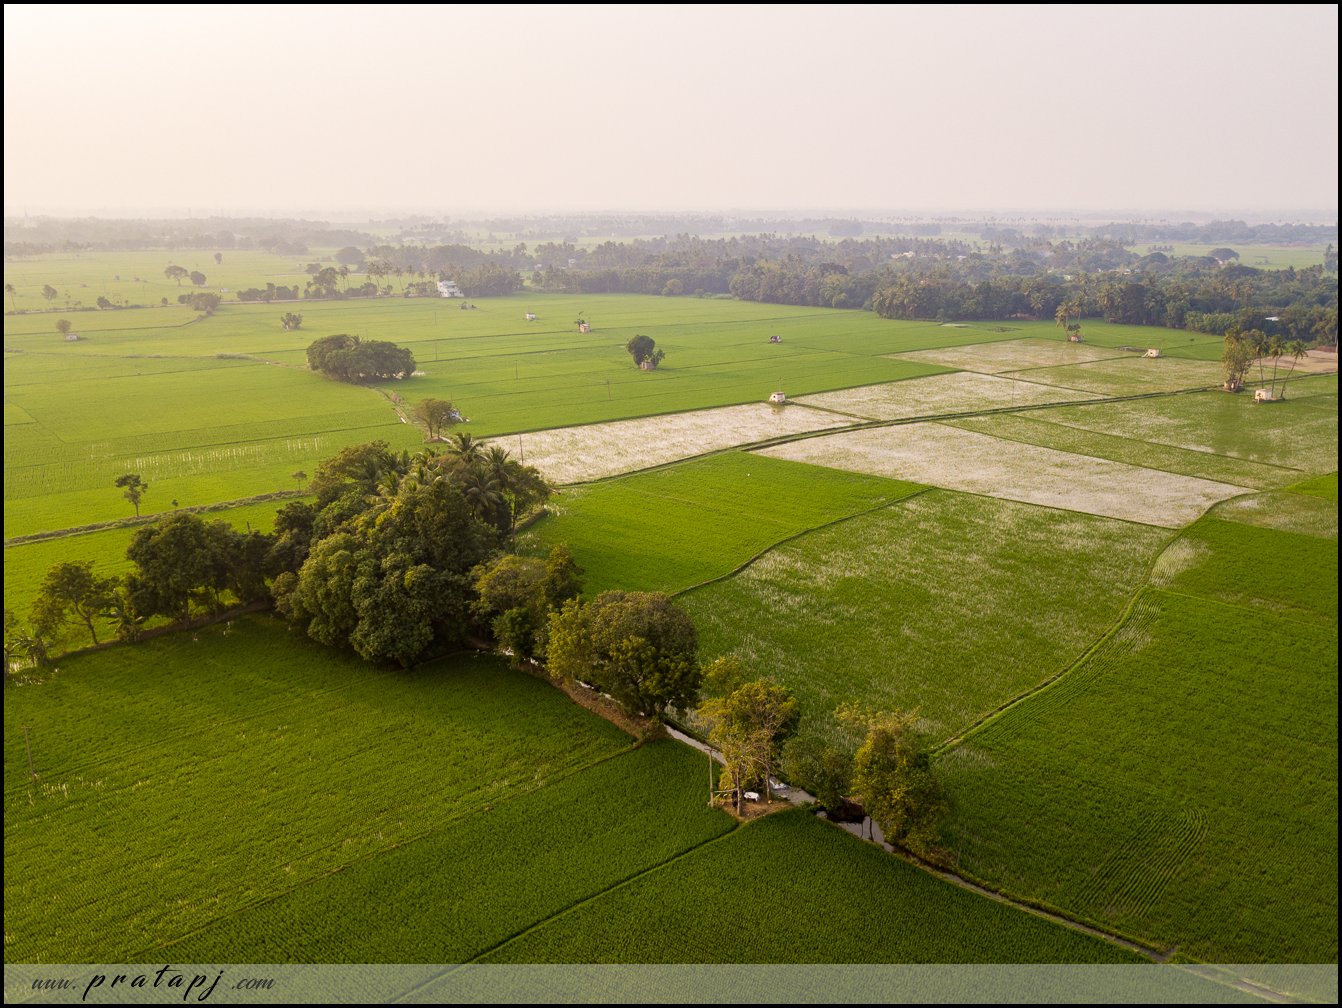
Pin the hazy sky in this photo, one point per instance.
(454, 108)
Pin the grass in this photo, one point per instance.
(790, 888)
(1321, 486)
(673, 528)
(1284, 509)
(196, 775)
(946, 602)
(86, 276)
(1180, 786)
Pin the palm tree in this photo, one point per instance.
(1296, 348)
(485, 496)
(463, 450)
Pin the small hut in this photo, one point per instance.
(1264, 395)
(647, 365)
(1153, 352)
(775, 338)
(71, 337)
(531, 316)
(778, 398)
(1074, 337)
(583, 327)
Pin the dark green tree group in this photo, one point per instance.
(639, 647)
(350, 359)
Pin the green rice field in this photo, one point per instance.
(240, 762)
(791, 888)
(945, 602)
(1180, 785)
(670, 529)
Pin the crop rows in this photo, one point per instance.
(790, 888)
(677, 527)
(1134, 876)
(472, 884)
(239, 762)
(913, 619)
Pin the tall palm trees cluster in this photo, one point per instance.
(498, 488)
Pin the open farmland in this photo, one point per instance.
(946, 602)
(478, 881)
(1132, 375)
(581, 454)
(673, 528)
(240, 762)
(963, 392)
(1299, 433)
(138, 278)
(959, 459)
(1016, 355)
(790, 888)
(1032, 428)
(1180, 784)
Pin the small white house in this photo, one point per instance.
(449, 289)
(778, 398)
(1264, 395)
(1153, 352)
(583, 327)
(72, 337)
(531, 316)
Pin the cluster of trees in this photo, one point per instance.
(350, 359)
(271, 292)
(878, 763)
(201, 301)
(180, 273)
(1244, 348)
(383, 561)
(638, 647)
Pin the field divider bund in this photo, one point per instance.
(135, 522)
(659, 866)
(797, 535)
(1037, 909)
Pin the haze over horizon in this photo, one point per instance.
(461, 110)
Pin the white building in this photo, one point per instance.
(448, 289)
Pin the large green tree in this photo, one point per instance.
(71, 594)
(435, 414)
(639, 647)
(393, 578)
(749, 723)
(893, 778)
(350, 359)
(515, 596)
